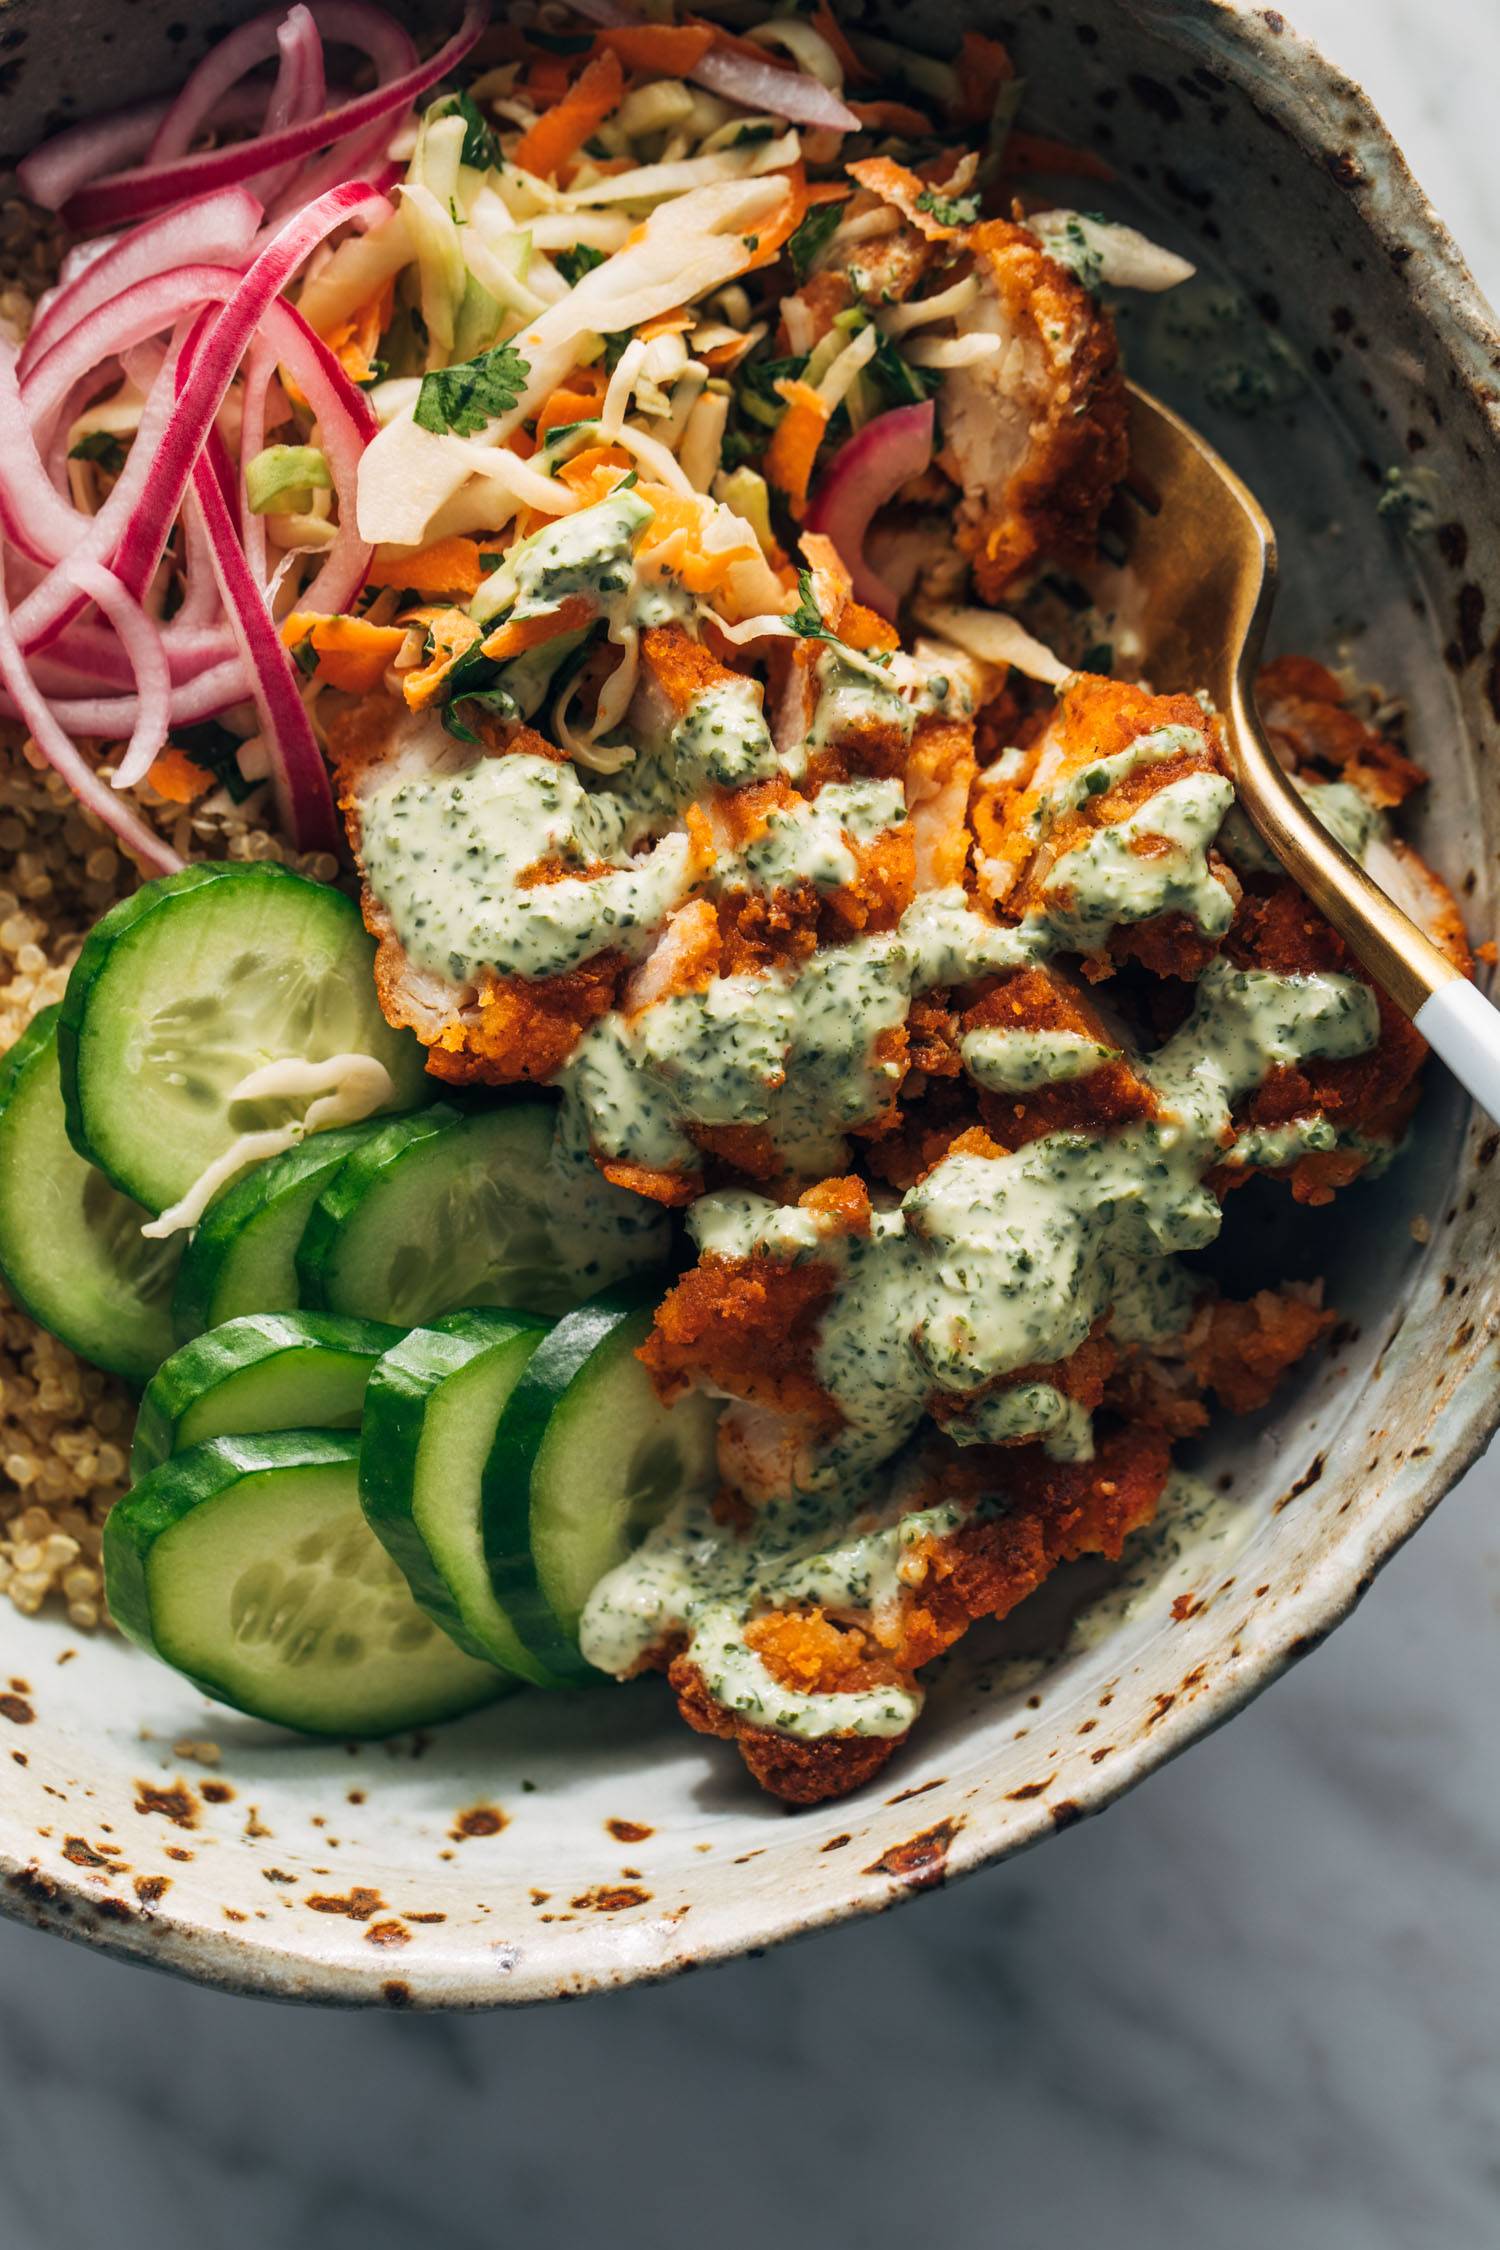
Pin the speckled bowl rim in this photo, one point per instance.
(1315, 103)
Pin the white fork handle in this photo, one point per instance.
(1463, 1027)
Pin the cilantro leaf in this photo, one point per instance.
(216, 751)
(575, 263)
(101, 446)
(812, 237)
(499, 700)
(481, 147)
(305, 656)
(949, 210)
(614, 348)
(807, 618)
(903, 384)
(463, 398)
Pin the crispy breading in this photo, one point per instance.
(1035, 435)
(1243, 1350)
(1310, 722)
(1043, 999)
(502, 1030)
(1054, 1512)
(747, 1327)
(940, 770)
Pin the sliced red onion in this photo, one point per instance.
(217, 231)
(861, 478)
(112, 717)
(300, 92)
(152, 851)
(61, 166)
(135, 194)
(756, 85)
(147, 659)
(299, 775)
(778, 93)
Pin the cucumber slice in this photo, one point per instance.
(585, 1460)
(71, 1249)
(246, 1564)
(436, 1211)
(430, 1416)
(185, 988)
(269, 1371)
(243, 1258)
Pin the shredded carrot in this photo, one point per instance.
(665, 324)
(984, 66)
(1033, 152)
(547, 78)
(659, 50)
(352, 653)
(572, 613)
(891, 117)
(452, 633)
(562, 130)
(823, 21)
(583, 472)
(174, 776)
(677, 528)
(565, 406)
(895, 185)
(448, 566)
(792, 451)
(353, 342)
(772, 238)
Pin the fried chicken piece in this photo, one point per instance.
(1042, 999)
(1035, 434)
(940, 770)
(799, 1773)
(1055, 1512)
(1241, 1351)
(747, 1327)
(1311, 724)
(1083, 1376)
(1372, 1094)
(499, 1030)
(1052, 800)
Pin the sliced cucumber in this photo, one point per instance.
(71, 1249)
(269, 1371)
(184, 989)
(243, 1258)
(585, 1460)
(436, 1211)
(246, 1564)
(430, 1417)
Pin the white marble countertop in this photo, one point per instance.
(1258, 2003)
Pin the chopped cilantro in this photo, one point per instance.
(903, 384)
(807, 618)
(949, 210)
(481, 147)
(217, 751)
(812, 237)
(465, 397)
(102, 447)
(575, 263)
(749, 135)
(499, 700)
(305, 657)
(614, 348)
(490, 562)
(755, 387)
(378, 371)
(751, 242)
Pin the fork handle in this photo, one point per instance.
(1463, 1027)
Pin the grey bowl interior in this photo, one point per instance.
(488, 1863)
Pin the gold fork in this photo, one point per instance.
(1205, 555)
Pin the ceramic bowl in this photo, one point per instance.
(1339, 351)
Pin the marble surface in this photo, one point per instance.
(1256, 2003)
